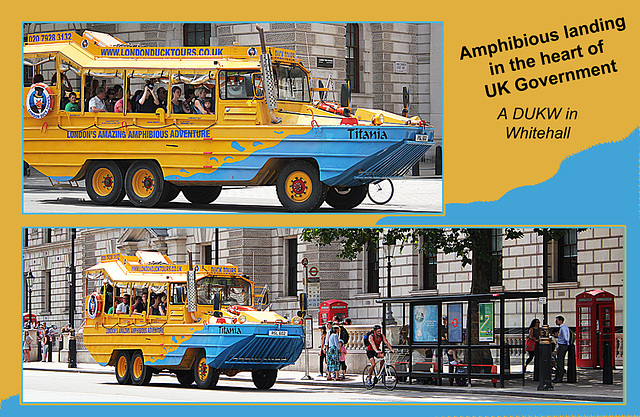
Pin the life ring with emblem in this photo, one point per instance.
(39, 101)
(94, 305)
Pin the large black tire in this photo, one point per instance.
(365, 377)
(201, 194)
(169, 193)
(140, 373)
(299, 187)
(346, 198)
(144, 183)
(264, 378)
(123, 368)
(185, 378)
(204, 375)
(104, 183)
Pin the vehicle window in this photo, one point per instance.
(236, 85)
(292, 83)
(233, 291)
(178, 293)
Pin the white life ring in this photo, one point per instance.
(39, 101)
(94, 305)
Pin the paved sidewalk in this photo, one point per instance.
(589, 386)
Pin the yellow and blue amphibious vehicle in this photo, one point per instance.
(260, 126)
(149, 314)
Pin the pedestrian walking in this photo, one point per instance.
(342, 358)
(533, 339)
(322, 353)
(26, 346)
(45, 345)
(564, 337)
(333, 354)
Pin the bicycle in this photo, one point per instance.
(380, 192)
(387, 374)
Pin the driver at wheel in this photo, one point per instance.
(374, 349)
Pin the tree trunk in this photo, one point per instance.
(480, 284)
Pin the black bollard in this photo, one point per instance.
(572, 374)
(72, 350)
(545, 360)
(607, 367)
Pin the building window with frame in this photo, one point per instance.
(196, 34)
(568, 256)
(47, 291)
(496, 256)
(429, 271)
(353, 56)
(47, 235)
(207, 254)
(292, 267)
(25, 237)
(373, 269)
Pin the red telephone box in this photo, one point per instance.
(332, 309)
(595, 326)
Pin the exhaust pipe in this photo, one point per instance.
(267, 78)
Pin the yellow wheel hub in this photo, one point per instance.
(122, 366)
(299, 186)
(203, 369)
(137, 367)
(143, 183)
(102, 181)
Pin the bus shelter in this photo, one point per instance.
(427, 342)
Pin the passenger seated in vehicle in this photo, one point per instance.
(38, 78)
(111, 99)
(178, 106)
(208, 107)
(156, 307)
(120, 104)
(198, 104)
(138, 306)
(72, 105)
(123, 307)
(97, 104)
(162, 97)
(148, 102)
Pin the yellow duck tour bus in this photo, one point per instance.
(260, 126)
(150, 315)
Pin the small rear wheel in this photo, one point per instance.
(390, 378)
(140, 373)
(264, 378)
(144, 183)
(104, 183)
(123, 373)
(204, 375)
(299, 187)
(346, 198)
(380, 192)
(201, 194)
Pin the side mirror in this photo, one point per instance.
(345, 95)
(405, 101)
(265, 298)
(216, 301)
(303, 304)
(256, 85)
(322, 93)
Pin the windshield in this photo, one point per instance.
(233, 291)
(292, 83)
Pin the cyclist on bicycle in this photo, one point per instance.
(374, 348)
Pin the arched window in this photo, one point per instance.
(196, 34)
(353, 54)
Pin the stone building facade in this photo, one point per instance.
(273, 257)
(385, 57)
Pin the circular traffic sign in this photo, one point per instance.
(313, 271)
(304, 262)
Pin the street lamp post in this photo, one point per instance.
(30, 288)
(72, 303)
(389, 319)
